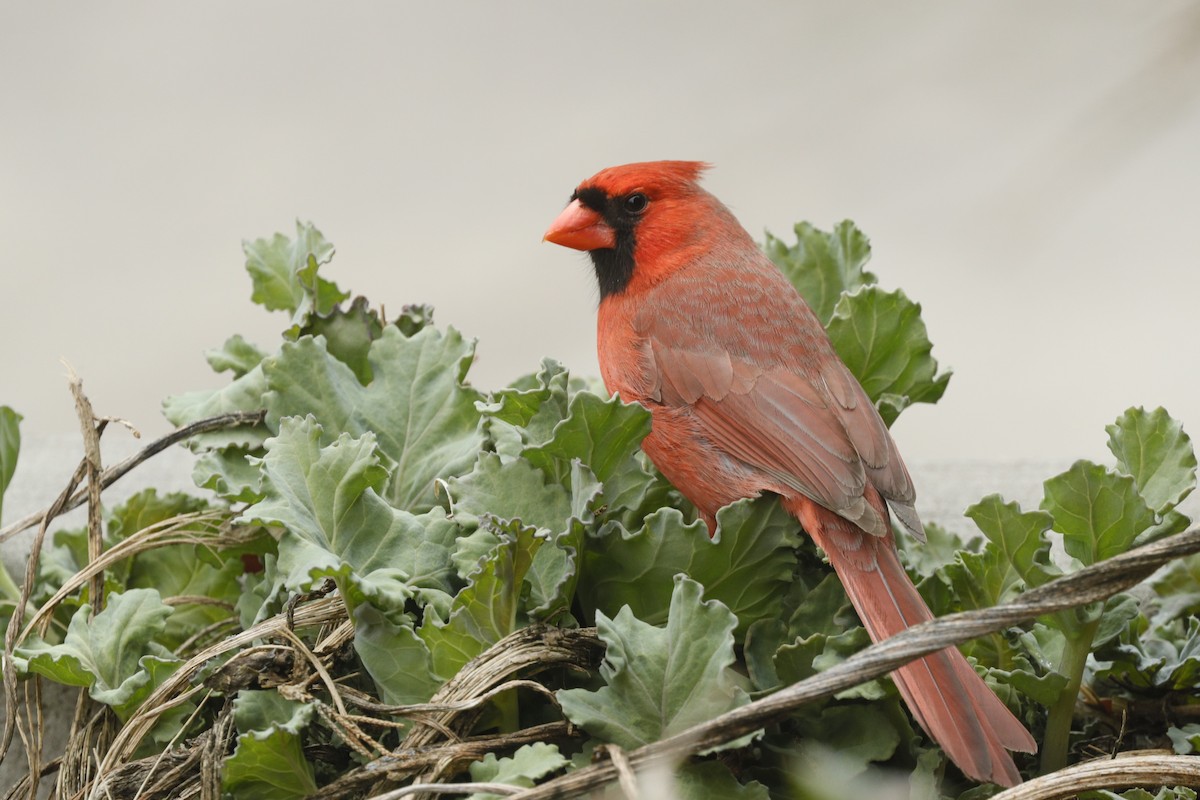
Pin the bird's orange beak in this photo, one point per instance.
(581, 228)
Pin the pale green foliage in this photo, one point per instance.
(448, 517)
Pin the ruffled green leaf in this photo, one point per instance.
(243, 394)
(747, 566)
(416, 405)
(527, 765)
(1098, 512)
(337, 525)
(231, 473)
(659, 681)
(269, 761)
(106, 653)
(822, 266)
(1152, 447)
(284, 274)
(605, 434)
(489, 608)
(882, 339)
(236, 355)
(348, 334)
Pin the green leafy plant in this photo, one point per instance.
(393, 576)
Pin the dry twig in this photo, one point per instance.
(1124, 771)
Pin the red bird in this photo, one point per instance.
(748, 396)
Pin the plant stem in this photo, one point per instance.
(1062, 713)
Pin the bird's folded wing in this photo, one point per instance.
(817, 435)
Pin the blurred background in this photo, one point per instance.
(1029, 172)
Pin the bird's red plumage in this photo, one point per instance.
(747, 395)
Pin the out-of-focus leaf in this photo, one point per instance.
(1177, 589)
(838, 648)
(823, 265)
(708, 780)
(1098, 512)
(823, 610)
(236, 355)
(762, 641)
(336, 525)
(414, 317)
(269, 762)
(794, 662)
(10, 448)
(860, 734)
(939, 549)
(660, 681)
(748, 565)
(488, 609)
(528, 764)
(882, 338)
(284, 273)
(416, 406)
(1152, 447)
(105, 653)
(1185, 739)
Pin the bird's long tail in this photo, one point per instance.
(947, 696)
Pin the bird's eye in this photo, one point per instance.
(636, 203)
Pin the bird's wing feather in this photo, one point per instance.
(811, 430)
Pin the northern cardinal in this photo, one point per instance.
(748, 396)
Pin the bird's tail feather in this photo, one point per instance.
(945, 694)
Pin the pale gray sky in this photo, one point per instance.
(1030, 172)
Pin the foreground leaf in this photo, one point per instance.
(660, 681)
(1018, 538)
(106, 653)
(269, 762)
(243, 394)
(527, 765)
(337, 526)
(395, 657)
(605, 434)
(488, 609)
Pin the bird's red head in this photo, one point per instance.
(641, 222)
